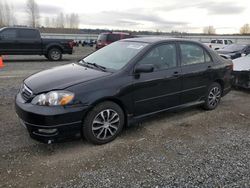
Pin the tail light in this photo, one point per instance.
(210, 46)
(231, 66)
(71, 44)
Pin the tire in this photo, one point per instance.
(103, 123)
(54, 54)
(213, 96)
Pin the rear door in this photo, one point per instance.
(29, 41)
(159, 89)
(196, 65)
(8, 39)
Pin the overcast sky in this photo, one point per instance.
(226, 16)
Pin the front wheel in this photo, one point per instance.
(103, 123)
(54, 54)
(213, 96)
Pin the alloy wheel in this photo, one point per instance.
(214, 96)
(105, 124)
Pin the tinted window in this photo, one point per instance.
(28, 33)
(191, 54)
(113, 37)
(225, 41)
(162, 57)
(8, 34)
(213, 41)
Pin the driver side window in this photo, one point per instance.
(161, 57)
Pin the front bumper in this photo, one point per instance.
(241, 79)
(50, 124)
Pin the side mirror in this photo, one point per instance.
(144, 68)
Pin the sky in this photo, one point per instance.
(226, 16)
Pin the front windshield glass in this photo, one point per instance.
(116, 55)
(234, 47)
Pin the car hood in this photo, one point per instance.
(61, 77)
(221, 51)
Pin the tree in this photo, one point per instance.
(33, 13)
(210, 30)
(245, 29)
(60, 20)
(47, 22)
(7, 17)
(74, 21)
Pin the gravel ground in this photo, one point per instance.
(188, 148)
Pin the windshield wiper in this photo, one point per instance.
(94, 65)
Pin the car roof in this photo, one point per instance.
(19, 28)
(152, 40)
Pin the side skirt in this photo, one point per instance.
(136, 119)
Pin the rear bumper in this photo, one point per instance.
(241, 79)
(50, 124)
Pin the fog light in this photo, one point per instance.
(48, 131)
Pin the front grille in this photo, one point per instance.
(26, 93)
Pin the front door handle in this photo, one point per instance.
(176, 74)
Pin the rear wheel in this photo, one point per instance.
(54, 54)
(213, 96)
(103, 123)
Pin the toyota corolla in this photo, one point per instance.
(119, 85)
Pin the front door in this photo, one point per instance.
(158, 90)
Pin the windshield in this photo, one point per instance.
(234, 47)
(102, 37)
(116, 55)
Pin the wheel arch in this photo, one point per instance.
(221, 82)
(53, 46)
(114, 100)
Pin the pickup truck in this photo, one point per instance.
(28, 41)
(217, 44)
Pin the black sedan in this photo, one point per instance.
(119, 85)
(234, 51)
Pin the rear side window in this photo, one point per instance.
(8, 34)
(113, 37)
(28, 34)
(192, 54)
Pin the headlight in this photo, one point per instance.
(53, 98)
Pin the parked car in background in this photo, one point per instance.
(241, 73)
(119, 85)
(28, 41)
(217, 44)
(105, 39)
(89, 42)
(234, 51)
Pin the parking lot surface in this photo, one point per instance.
(188, 148)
